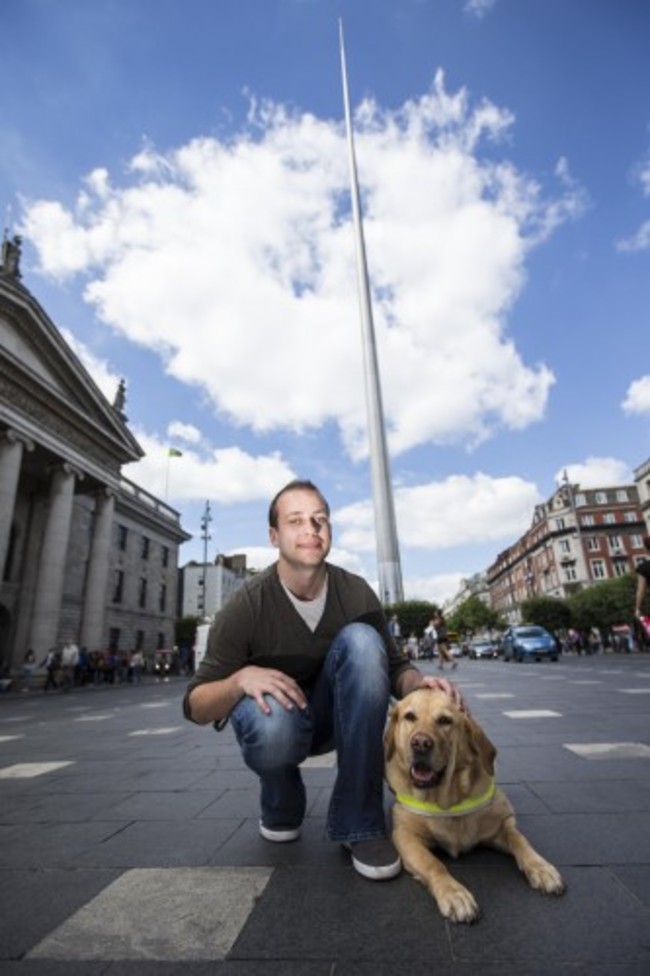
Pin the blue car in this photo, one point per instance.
(529, 643)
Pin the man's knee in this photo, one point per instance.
(359, 652)
(360, 637)
(278, 738)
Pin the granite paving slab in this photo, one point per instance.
(203, 909)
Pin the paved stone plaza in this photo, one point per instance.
(129, 841)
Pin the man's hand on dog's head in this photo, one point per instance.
(414, 679)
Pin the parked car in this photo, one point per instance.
(529, 642)
(482, 647)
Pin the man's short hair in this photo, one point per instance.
(298, 484)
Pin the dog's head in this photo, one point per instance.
(428, 739)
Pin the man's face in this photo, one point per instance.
(303, 535)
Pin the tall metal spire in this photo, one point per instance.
(388, 561)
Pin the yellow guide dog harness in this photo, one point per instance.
(457, 810)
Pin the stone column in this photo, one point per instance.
(92, 622)
(54, 546)
(11, 456)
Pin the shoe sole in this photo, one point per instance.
(280, 836)
(373, 873)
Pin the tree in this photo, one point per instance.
(185, 631)
(547, 612)
(473, 615)
(604, 605)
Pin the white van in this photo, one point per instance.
(200, 644)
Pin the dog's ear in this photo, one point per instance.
(480, 745)
(389, 735)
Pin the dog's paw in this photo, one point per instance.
(456, 903)
(544, 877)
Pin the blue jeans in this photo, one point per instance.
(347, 712)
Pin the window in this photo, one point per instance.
(163, 597)
(139, 640)
(598, 569)
(601, 497)
(587, 520)
(609, 518)
(122, 536)
(144, 548)
(593, 544)
(570, 574)
(621, 495)
(580, 499)
(630, 517)
(161, 640)
(620, 567)
(637, 541)
(559, 523)
(565, 545)
(615, 544)
(142, 592)
(114, 639)
(165, 556)
(118, 586)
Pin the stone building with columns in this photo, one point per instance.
(85, 555)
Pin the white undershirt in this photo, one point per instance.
(310, 610)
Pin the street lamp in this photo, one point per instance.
(205, 535)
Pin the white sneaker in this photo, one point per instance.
(375, 859)
(279, 835)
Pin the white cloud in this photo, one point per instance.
(184, 432)
(644, 178)
(640, 241)
(637, 398)
(597, 472)
(99, 369)
(227, 475)
(637, 242)
(479, 8)
(234, 262)
(455, 512)
(435, 589)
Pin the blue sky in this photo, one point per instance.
(179, 173)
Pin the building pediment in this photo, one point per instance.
(47, 393)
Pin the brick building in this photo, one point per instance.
(577, 538)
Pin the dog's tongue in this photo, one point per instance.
(421, 773)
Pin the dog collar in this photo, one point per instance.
(457, 810)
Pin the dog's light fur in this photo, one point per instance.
(428, 728)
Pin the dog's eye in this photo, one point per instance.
(410, 716)
(443, 720)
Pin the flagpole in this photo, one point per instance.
(388, 559)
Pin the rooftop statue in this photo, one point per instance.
(11, 252)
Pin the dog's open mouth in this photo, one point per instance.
(424, 776)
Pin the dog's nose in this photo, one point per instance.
(421, 742)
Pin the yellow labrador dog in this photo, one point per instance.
(440, 765)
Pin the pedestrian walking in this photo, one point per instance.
(442, 634)
(27, 671)
(641, 613)
(52, 665)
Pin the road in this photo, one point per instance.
(129, 841)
